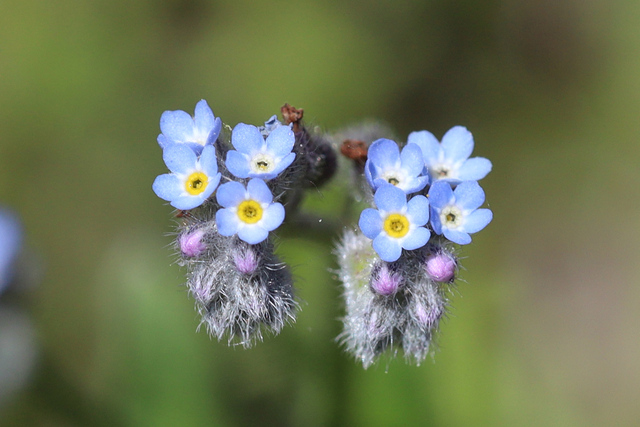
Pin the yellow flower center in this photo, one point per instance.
(396, 225)
(249, 211)
(196, 183)
(393, 181)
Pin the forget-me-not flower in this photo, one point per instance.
(10, 243)
(249, 212)
(450, 160)
(386, 164)
(178, 127)
(455, 213)
(257, 157)
(193, 179)
(396, 224)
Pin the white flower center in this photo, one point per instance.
(262, 163)
(394, 177)
(451, 216)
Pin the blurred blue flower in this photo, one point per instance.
(193, 179)
(257, 157)
(386, 164)
(455, 213)
(248, 213)
(450, 160)
(396, 224)
(178, 127)
(269, 126)
(10, 244)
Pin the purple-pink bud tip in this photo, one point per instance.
(246, 261)
(191, 244)
(427, 318)
(441, 267)
(386, 282)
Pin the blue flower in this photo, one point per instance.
(396, 224)
(269, 126)
(257, 157)
(178, 127)
(455, 213)
(10, 243)
(248, 213)
(385, 164)
(193, 179)
(450, 160)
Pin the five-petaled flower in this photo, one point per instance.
(193, 179)
(386, 164)
(178, 127)
(455, 213)
(396, 224)
(450, 160)
(257, 157)
(249, 212)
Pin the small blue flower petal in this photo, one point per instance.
(178, 127)
(469, 195)
(370, 223)
(280, 141)
(418, 210)
(227, 221)
(387, 248)
(281, 166)
(440, 194)
(247, 139)
(238, 164)
(384, 153)
(230, 194)
(477, 220)
(416, 239)
(456, 236)
(252, 235)
(10, 244)
(457, 143)
(411, 158)
(389, 198)
(179, 158)
(259, 191)
(273, 217)
(167, 186)
(474, 169)
(428, 143)
(208, 160)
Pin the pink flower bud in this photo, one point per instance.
(191, 244)
(246, 261)
(386, 283)
(441, 267)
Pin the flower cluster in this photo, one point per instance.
(397, 267)
(238, 283)
(233, 187)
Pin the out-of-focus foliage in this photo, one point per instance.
(544, 324)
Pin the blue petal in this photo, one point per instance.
(388, 198)
(10, 244)
(168, 187)
(213, 184)
(411, 158)
(230, 194)
(284, 163)
(246, 138)
(272, 217)
(189, 202)
(253, 234)
(227, 222)
(469, 195)
(208, 160)
(179, 158)
(474, 169)
(477, 220)
(459, 237)
(416, 239)
(162, 141)
(259, 191)
(436, 225)
(280, 141)
(457, 143)
(238, 164)
(203, 117)
(415, 184)
(368, 173)
(387, 248)
(384, 153)
(418, 210)
(370, 223)
(215, 131)
(440, 194)
(176, 125)
(428, 143)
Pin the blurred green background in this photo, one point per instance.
(544, 326)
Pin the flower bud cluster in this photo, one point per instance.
(398, 267)
(228, 209)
